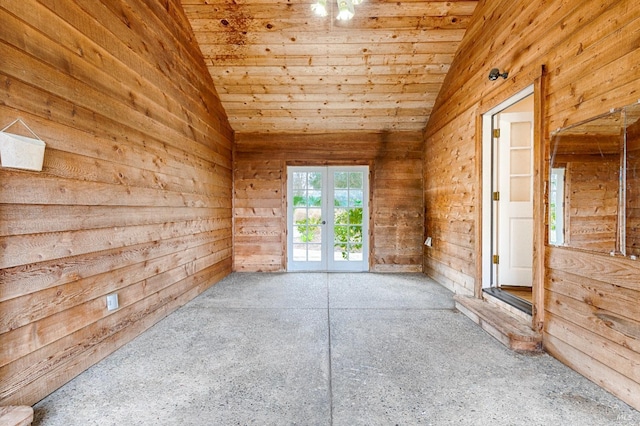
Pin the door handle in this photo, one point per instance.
(324, 222)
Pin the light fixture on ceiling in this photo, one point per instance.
(320, 8)
(346, 10)
(495, 73)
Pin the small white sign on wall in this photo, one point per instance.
(21, 152)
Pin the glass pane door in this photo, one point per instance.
(307, 224)
(348, 225)
(328, 218)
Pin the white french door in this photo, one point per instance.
(328, 218)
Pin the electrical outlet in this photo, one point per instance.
(112, 302)
(428, 242)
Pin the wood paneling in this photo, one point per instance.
(135, 194)
(590, 52)
(396, 190)
(281, 69)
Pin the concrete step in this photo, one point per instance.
(512, 331)
(14, 415)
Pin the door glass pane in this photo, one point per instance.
(315, 198)
(341, 197)
(307, 216)
(315, 252)
(341, 180)
(355, 197)
(341, 217)
(521, 134)
(521, 162)
(521, 188)
(347, 235)
(355, 180)
(299, 180)
(299, 198)
(315, 180)
(299, 252)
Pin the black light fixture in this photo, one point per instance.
(495, 73)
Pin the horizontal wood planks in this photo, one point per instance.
(135, 195)
(589, 51)
(593, 318)
(279, 68)
(396, 190)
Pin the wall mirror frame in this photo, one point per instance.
(594, 184)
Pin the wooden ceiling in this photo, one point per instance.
(279, 68)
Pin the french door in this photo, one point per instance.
(328, 218)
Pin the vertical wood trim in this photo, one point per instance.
(478, 207)
(539, 202)
(567, 203)
(372, 176)
(233, 203)
(285, 215)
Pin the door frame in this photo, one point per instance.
(488, 108)
(327, 205)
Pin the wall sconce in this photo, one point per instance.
(495, 73)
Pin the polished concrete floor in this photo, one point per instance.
(326, 349)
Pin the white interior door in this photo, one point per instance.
(328, 217)
(514, 174)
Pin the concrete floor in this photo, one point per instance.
(326, 349)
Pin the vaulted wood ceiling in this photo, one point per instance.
(279, 68)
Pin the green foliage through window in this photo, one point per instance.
(308, 228)
(348, 238)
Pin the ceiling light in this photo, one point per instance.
(345, 10)
(320, 8)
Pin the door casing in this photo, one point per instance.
(487, 176)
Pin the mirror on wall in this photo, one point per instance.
(632, 175)
(584, 196)
(594, 184)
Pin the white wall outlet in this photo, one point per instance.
(428, 242)
(112, 302)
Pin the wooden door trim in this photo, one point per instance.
(539, 206)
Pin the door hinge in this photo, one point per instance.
(496, 196)
(496, 259)
(496, 133)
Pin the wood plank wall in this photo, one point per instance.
(590, 51)
(260, 163)
(135, 194)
